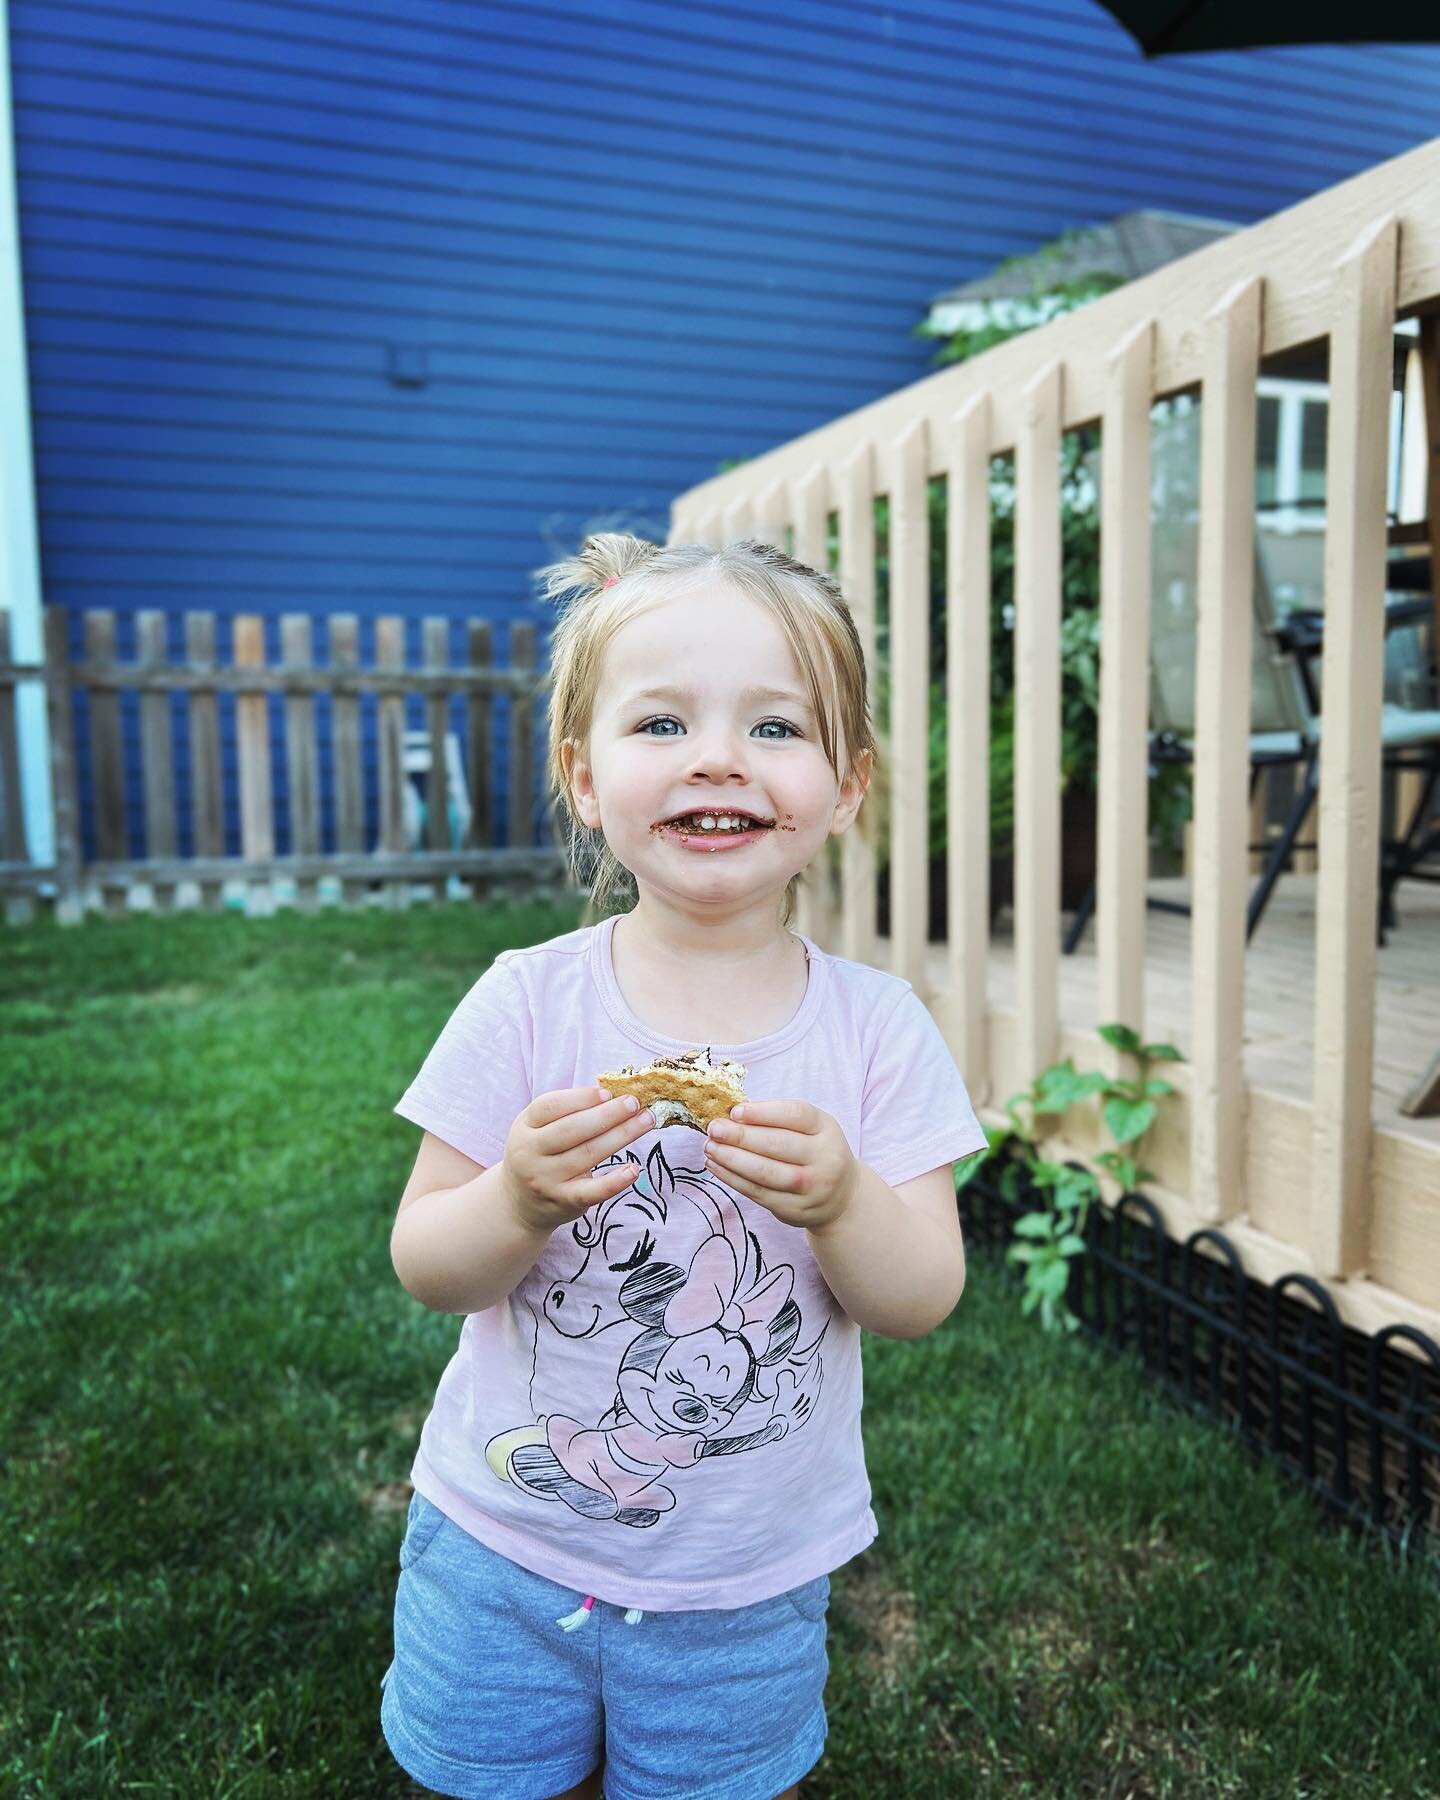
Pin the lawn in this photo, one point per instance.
(213, 1385)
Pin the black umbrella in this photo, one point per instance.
(1161, 27)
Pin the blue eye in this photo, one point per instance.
(667, 719)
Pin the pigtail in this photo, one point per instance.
(604, 558)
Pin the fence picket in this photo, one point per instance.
(302, 773)
(480, 726)
(520, 823)
(156, 760)
(207, 804)
(64, 787)
(252, 732)
(390, 657)
(14, 846)
(346, 750)
(107, 762)
(436, 641)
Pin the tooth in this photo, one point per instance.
(715, 822)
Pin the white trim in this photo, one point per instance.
(19, 543)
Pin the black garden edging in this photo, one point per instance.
(1354, 1417)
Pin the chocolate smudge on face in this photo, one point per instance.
(669, 825)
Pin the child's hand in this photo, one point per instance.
(557, 1141)
(788, 1155)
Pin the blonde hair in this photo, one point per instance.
(615, 578)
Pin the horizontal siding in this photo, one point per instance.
(628, 237)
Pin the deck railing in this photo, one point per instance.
(1340, 267)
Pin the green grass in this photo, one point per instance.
(213, 1383)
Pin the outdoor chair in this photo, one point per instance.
(1409, 732)
(416, 806)
(1285, 716)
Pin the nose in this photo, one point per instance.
(716, 755)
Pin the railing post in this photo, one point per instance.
(807, 510)
(967, 727)
(1122, 850)
(738, 519)
(1037, 720)
(857, 575)
(771, 516)
(1361, 365)
(910, 707)
(1223, 627)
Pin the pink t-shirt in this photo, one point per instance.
(666, 1411)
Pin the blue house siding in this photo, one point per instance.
(624, 238)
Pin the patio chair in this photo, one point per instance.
(1285, 724)
(1410, 728)
(413, 799)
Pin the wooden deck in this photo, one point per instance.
(1279, 993)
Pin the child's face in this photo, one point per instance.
(708, 745)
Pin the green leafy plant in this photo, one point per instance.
(1054, 1231)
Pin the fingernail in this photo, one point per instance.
(631, 1104)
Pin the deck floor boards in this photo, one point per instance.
(1279, 991)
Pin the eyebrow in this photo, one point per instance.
(751, 693)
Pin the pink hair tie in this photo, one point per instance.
(608, 582)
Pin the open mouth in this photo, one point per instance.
(715, 824)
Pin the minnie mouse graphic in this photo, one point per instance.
(714, 1337)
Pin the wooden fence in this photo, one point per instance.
(388, 864)
(1324, 1196)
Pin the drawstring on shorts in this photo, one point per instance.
(573, 1621)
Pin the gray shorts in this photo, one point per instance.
(489, 1698)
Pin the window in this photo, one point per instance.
(1312, 450)
(1267, 451)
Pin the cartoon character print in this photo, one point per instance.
(712, 1338)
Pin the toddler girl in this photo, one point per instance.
(644, 1458)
